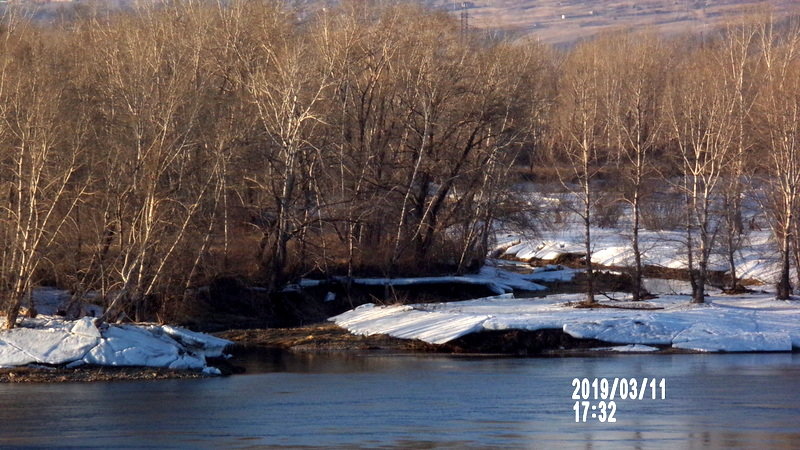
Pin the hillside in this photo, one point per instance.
(552, 21)
(564, 21)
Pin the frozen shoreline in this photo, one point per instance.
(755, 322)
(54, 341)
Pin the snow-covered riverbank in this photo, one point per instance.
(755, 322)
(55, 341)
(757, 260)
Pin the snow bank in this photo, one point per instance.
(749, 323)
(410, 322)
(56, 341)
(756, 260)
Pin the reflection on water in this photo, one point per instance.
(748, 400)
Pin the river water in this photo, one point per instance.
(721, 400)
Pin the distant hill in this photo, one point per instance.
(557, 21)
(564, 21)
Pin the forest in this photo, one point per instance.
(146, 153)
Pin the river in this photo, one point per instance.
(717, 400)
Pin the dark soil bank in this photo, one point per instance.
(230, 304)
(328, 337)
(321, 337)
(44, 374)
(520, 342)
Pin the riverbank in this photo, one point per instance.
(320, 337)
(747, 323)
(47, 374)
(331, 338)
(52, 348)
(552, 322)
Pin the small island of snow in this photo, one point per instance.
(55, 341)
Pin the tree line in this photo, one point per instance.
(713, 118)
(145, 153)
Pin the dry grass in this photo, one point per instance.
(584, 18)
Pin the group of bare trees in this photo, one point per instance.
(714, 119)
(146, 152)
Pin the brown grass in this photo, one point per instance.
(543, 18)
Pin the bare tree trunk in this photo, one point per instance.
(784, 287)
(587, 224)
(638, 288)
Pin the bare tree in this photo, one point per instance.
(778, 110)
(635, 122)
(286, 85)
(155, 177)
(38, 169)
(737, 69)
(579, 128)
(700, 114)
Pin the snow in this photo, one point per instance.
(49, 301)
(410, 322)
(210, 346)
(51, 340)
(757, 259)
(756, 322)
(611, 247)
(633, 348)
(134, 346)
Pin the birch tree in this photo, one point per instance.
(737, 67)
(38, 165)
(636, 123)
(778, 110)
(154, 176)
(579, 128)
(286, 85)
(700, 114)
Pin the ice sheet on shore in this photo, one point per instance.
(56, 341)
(756, 322)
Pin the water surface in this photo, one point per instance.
(744, 400)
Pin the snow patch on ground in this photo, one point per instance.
(633, 348)
(757, 259)
(756, 322)
(51, 301)
(50, 340)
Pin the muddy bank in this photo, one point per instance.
(520, 343)
(320, 337)
(328, 337)
(45, 374)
